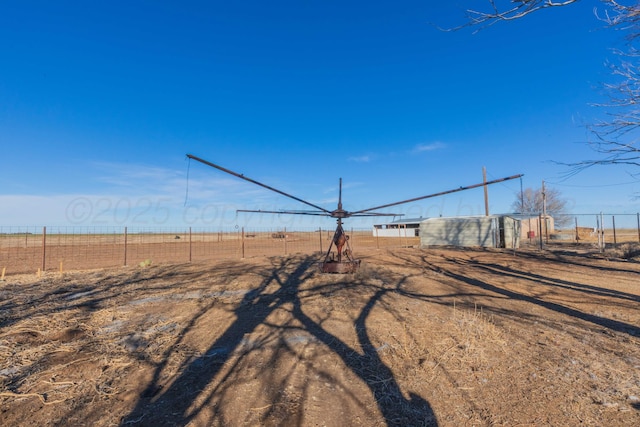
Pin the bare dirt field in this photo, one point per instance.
(417, 337)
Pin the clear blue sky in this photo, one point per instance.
(100, 102)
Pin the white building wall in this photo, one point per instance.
(394, 232)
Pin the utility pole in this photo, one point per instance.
(544, 212)
(486, 191)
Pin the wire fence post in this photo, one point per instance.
(599, 234)
(604, 246)
(600, 228)
(540, 229)
(285, 240)
(320, 235)
(546, 229)
(242, 242)
(125, 246)
(615, 238)
(190, 246)
(44, 248)
(575, 218)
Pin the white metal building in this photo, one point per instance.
(400, 228)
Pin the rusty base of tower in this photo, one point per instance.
(340, 267)
(342, 261)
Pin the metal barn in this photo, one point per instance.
(495, 231)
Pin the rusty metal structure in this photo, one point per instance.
(342, 261)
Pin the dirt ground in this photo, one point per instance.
(418, 337)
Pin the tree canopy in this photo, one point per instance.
(532, 201)
(536, 201)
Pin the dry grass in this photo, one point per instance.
(465, 337)
(629, 251)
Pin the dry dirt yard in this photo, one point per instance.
(415, 338)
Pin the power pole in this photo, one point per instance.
(544, 212)
(486, 191)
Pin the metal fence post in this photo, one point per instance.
(125, 246)
(540, 229)
(242, 242)
(615, 238)
(604, 246)
(190, 249)
(320, 234)
(44, 248)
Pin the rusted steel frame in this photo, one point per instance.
(442, 193)
(213, 165)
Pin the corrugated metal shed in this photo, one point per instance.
(495, 231)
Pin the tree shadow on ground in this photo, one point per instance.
(203, 382)
(577, 258)
(502, 272)
(65, 293)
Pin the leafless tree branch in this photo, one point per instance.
(502, 11)
(616, 139)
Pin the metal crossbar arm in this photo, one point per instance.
(253, 181)
(442, 193)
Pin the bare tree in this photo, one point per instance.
(507, 10)
(532, 202)
(616, 139)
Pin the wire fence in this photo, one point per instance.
(39, 249)
(598, 231)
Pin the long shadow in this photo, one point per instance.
(615, 325)
(183, 400)
(547, 281)
(396, 409)
(575, 258)
(171, 408)
(578, 287)
(65, 294)
(76, 298)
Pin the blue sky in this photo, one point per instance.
(101, 101)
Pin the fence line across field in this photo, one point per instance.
(601, 230)
(32, 249)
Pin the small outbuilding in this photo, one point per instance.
(401, 228)
(534, 226)
(494, 231)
